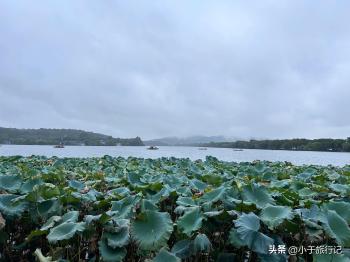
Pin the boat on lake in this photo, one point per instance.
(59, 146)
(237, 149)
(152, 148)
(202, 148)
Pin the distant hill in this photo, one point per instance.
(323, 144)
(44, 136)
(185, 141)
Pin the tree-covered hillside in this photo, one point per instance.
(45, 136)
(326, 144)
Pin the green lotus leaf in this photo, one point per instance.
(235, 239)
(155, 185)
(148, 205)
(185, 201)
(10, 209)
(51, 222)
(305, 176)
(214, 195)
(197, 184)
(91, 218)
(71, 216)
(90, 196)
(296, 185)
(184, 191)
(109, 254)
(280, 183)
(118, 239)
(190, 221)
(10, 183)
(332, 175)
(172, 181)
(121, 191)
(273, 216)
(65, 231)
(28, 185)
(201, 243)
(339, 188)
(306, 193)
(336, 227)
(152, 229)
(181, 209)
(158, 197)
(341, 207)
(213, 213)
(313, 214)
(182, 248)
(93, 195)
(165, 255)
(49, 208)
(135, 179)
(248, 226)
(125, 207)
(290, 197)
(104, 218)
(76, 184)
(47, 190)
(212, 179)
(257, 195)
(119, 235)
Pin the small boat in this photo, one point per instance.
(152, 148)
(59, 146)
(237, 149)
(202, 148)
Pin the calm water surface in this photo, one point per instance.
(226, 154)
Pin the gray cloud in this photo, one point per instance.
(161, 68)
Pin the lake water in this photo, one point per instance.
(226, 154)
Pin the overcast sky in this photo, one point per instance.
(265, 69)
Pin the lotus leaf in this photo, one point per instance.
(165, 255)
(65, 231)
(248, 226)
(190, 221)
(110, 254)
(273, 216)
(152, 229)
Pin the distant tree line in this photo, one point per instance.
(325, 144)
(45, 136)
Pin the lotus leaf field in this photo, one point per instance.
(168, 209)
